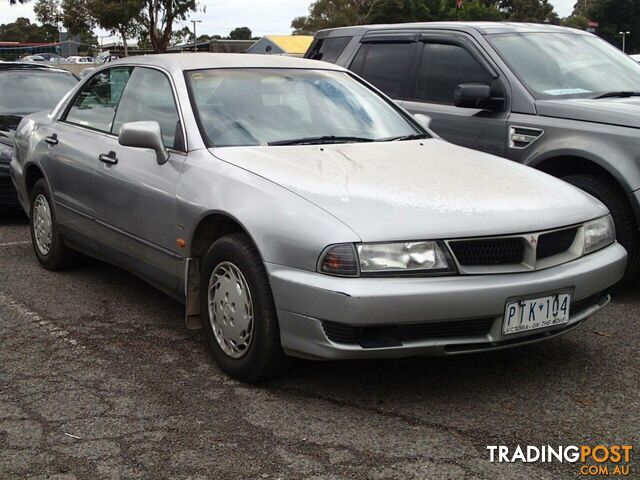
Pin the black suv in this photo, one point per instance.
(558, 99)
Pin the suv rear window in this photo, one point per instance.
(385, 65)
(328, 49)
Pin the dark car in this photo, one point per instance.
(561, 100)
(25, 88)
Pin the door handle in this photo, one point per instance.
(52, 139)
(109, 158)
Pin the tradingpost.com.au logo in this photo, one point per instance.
(596, 460)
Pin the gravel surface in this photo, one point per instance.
(99, 378)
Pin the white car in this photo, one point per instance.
(33, 58)
(78, 59)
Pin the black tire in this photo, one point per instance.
(263, 359)
(610, 194)
(59, 255)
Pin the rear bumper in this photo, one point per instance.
(305, 299)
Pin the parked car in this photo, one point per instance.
(52, 57)
(554, 98)
(24, 89)
(78, 59)
(33, 58)
(302, 213)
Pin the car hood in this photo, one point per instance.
(425, 189)
(613, 111)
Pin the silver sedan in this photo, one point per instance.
(297, 211)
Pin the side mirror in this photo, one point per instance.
(144, 135)
(476, 95)
(423, 120)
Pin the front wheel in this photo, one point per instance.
(608, 193)
(239, 315)
(48, 244)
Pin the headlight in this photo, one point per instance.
(5, 153)
(426, 257)
(598, 234)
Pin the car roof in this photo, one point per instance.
(484, 28)
(197, 61)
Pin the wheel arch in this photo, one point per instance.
(32, 174)
(209, 228)
(564, 165)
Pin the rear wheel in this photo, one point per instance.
(48, 244)
(610, 194)
(238, 312)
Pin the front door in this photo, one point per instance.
(135, 195)
(443, 65)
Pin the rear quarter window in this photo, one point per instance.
(328, 49)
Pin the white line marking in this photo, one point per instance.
(49, 327)
(13, 244)
(72, 436)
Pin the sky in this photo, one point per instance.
(220, 16)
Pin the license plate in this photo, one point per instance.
(533, 313)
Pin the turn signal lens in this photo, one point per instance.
(339, 260)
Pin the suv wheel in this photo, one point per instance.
(626, 229)
(238, 312)
(48, 244)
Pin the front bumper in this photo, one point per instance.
(304, 300)
(8, 196)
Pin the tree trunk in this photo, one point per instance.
(125, 47)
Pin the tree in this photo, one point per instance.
(181, 36)
(331, 14)
(240, 33)
(617, 16)
(158, 17)
(536, 11)
(22, 30)
(74, 15)
(119, 16)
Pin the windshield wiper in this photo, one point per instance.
(413, 136)
(621, 94)
(320, 140)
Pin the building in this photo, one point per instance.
(214, 46)
(295, 45)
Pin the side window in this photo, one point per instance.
(95, 105)
(443, 67)
(329, 49)
(385, 65)
(148, 96)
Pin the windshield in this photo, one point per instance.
(267, 106)
(28, 90)
(567, 65)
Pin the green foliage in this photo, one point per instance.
(240, 33)
(22, 30)
(340, 13)
(575, 21)
(529, 11)
(616, 16)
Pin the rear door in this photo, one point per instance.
(388, 62)
(74, 143)
(444, 62)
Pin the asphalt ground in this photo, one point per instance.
(99, 378)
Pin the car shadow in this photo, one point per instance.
(13, 217)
